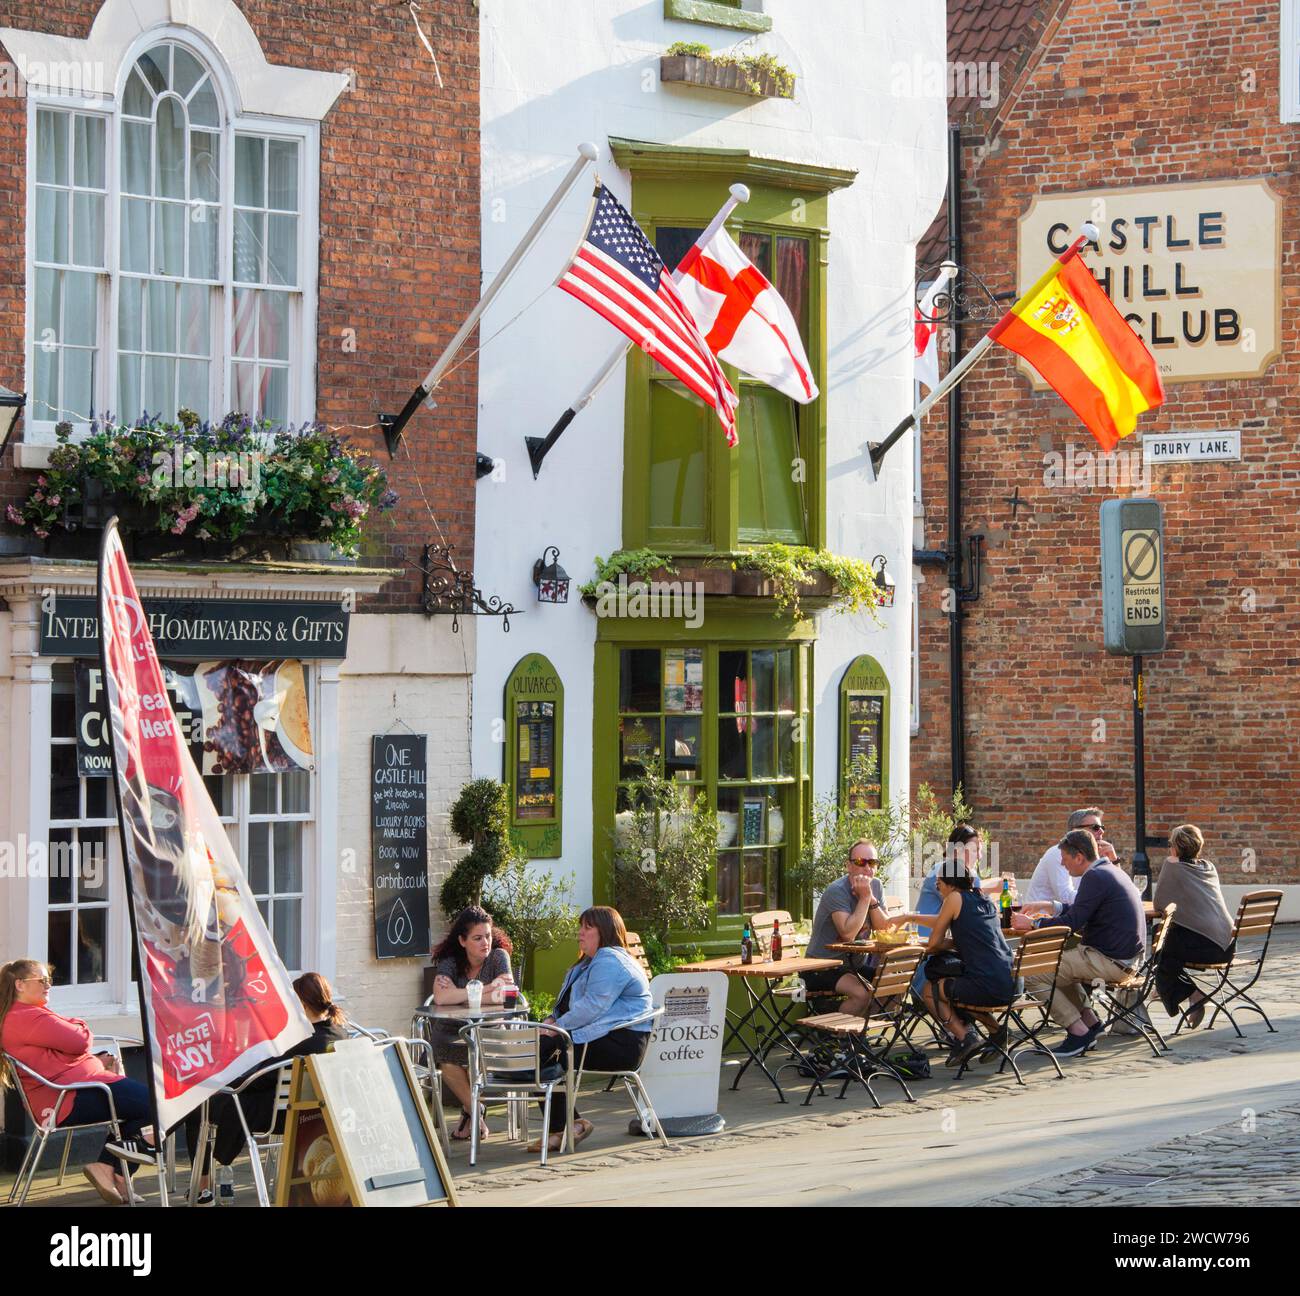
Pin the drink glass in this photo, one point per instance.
(510, 997)
(474, 995)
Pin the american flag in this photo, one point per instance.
(617, 272)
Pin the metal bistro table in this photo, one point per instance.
(762, 1001)
(423, 1018)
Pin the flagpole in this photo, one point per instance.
(540, 447)
(1088, 233)
(393, 424)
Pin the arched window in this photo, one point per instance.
(167, 270)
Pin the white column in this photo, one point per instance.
(322, 923)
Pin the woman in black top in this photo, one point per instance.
(473, 950)
(971, 919)
(258, 1100)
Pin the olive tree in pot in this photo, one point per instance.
(839, 821)
(663, 851)
(534, 908)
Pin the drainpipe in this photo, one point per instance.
(957, 732)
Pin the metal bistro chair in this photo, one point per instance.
(259, 1142)
(857, 1046)
(1124, 1000)
(1038, 954)
(1256, 915)
(376, 1034)
(43, 1130)
(631, 1079)
(429, 1077)
(505, 1064)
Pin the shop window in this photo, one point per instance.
(205, 288)
(269, 818)
(732, 723)
(534, 749)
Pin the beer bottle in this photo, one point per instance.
(1004, 902)
(746, 945)
(776, 940)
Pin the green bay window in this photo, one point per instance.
(684, 490)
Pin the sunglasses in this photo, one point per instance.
(1094, 827)
(45, 981)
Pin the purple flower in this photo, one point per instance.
(14, 516)
(41, 532)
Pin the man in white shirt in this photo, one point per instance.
(1051, 880)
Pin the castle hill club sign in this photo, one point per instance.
(200, 629)
(1192, 267)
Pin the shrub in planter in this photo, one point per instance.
(222, 484)
(480, 818)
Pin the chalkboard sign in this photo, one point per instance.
(864, 733)
(866, 738)
(358, 1132)
(399, 840)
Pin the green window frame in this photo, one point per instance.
(730, 720)
(684, 491)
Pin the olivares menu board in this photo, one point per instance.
(399, 844)
(237, 717)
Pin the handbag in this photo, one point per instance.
(939, 967)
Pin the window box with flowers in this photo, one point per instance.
(232, 489)
(760, 76)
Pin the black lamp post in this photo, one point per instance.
(11, 406)
(884, 581)
(551, 579)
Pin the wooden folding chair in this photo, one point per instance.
(636, 948)
(860, 1046)
(1256, 916)
(1124, 1000)
(1038, 954)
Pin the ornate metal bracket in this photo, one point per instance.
(448, 591)
(966, 300)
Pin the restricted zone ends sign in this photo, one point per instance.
(1132, 576)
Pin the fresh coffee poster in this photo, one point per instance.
(399, 844)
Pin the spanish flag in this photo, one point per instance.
(1067, 328)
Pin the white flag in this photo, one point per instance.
(743, 318)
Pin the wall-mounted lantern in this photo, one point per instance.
(551, 579)
(884, 581)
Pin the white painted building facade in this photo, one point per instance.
(556, 73)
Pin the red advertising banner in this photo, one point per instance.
(216, 1000)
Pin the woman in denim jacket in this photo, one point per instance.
(602, 992)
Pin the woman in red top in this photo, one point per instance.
(58, 1048)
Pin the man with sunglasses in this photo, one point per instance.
(1051, 879)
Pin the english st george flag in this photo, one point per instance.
(745, 321)
(216, 1000)
(617, 272)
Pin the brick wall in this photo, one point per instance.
(399, 239)
(1128, 92)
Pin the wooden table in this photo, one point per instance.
(763, 1001)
